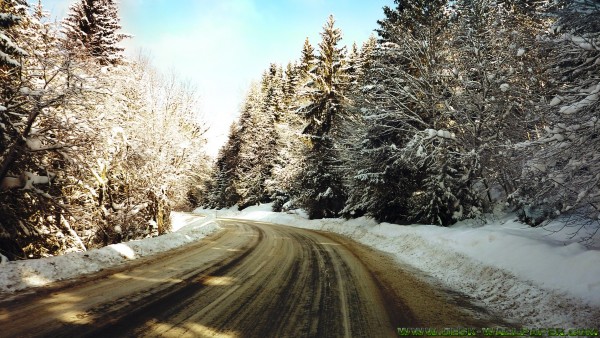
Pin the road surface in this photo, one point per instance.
(250, 280)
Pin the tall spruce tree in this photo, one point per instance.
(258, 140)
(324, 106)
(307, 59)
(94, 25)
(289, 144)
(399, 171)
(224, 193)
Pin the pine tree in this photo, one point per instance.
(11, 12)
(307, 60)
(353, 66)
(94, 25)
(286, 167)
(290, 84)
(258, 140)
(367, 53)
(399, 173)
(244, 172)
(324, 97)
(272, 87)
(224, 193)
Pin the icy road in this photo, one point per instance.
(250, 280)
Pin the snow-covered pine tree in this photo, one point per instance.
(94, 25)
(562, 172)
(224, 193)
(279, 91)
(392, 98)
(353, 66)
(258, 139)
(291, 81)
(366, 56)
(11, 12)
(324, 103)
(307, 58)
(398, 172)
(289, 145)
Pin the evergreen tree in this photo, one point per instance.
(291, 81)
(289, 145)
(244, 172)
(323, 194)
(224, 193)
(94, 25)
(272, 87)
(397, 164)
(307, 59)
(367, 52)
(258, 140)
(11, 12)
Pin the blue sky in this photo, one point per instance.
(223, 45)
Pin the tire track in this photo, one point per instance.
(251, 280)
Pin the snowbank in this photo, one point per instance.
(521, 272)
(20, 275)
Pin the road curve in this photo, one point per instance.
(250, 280)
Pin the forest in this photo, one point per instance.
(452, 110)
(95, 148)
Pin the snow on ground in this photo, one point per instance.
(531, 277)
(20, 275)
(521, 272)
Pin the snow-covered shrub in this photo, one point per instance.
(446, 193)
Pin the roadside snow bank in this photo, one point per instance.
(533, 278)
(19, 275)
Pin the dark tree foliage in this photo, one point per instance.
(94, 25)
(413, 17)
(223, 192)
(11, 12)
(324, 100)
(402, 101)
